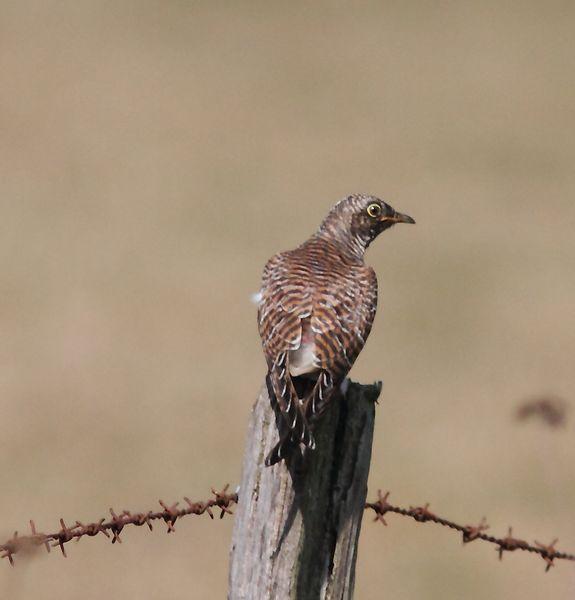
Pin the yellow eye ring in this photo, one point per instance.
(374, 210)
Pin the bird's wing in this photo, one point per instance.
(285, 300)
(343, 313)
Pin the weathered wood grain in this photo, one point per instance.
(297, 527)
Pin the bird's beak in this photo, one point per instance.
(401, 218)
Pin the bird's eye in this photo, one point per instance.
(374, 210)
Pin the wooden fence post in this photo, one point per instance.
(296, 530)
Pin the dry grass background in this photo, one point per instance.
(154, 154)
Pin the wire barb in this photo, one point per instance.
(472, 531)
(548, 553)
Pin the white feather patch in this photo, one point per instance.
(256, 297)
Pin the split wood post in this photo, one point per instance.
(296, 528)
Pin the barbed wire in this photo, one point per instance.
(422, 514)
(113, 527)
(222, 500)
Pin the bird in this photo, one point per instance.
(316, 307)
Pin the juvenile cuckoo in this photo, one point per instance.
(315, 310)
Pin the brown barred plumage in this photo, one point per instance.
(316, 308)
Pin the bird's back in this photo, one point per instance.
(319, 292)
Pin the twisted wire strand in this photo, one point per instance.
(112, 528)
(222, 500)
(422, 514)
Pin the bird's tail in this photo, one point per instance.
(292, 424)
(282, 450)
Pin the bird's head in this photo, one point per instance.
(359, 219)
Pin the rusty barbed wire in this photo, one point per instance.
(223, 500)
(114, 526)
(422, 514)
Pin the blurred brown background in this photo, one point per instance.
(153, 155)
